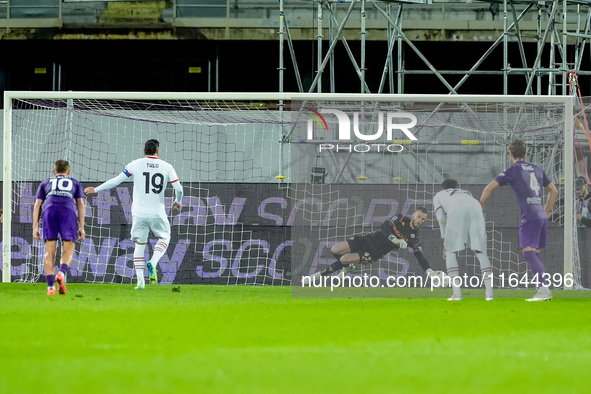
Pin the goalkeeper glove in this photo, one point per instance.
(397, 241)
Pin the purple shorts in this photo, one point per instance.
(62, 221)
(533, 233)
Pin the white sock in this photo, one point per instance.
(453, 270)
(139, 274)
(486, 270)
(139, 262)
(159, 250)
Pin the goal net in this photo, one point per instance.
(359, 163)
(225, 152)
(272, 181)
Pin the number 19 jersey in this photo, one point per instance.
(527, 181)
(150, 178)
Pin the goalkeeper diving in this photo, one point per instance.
(395, 233)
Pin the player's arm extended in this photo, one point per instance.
(178, 193)
(36, 209)
(81, 215)
(487, 191)
(388, 228)
(423, 262)
(111, 183)
(552, 195)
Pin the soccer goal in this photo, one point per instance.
(272, 180)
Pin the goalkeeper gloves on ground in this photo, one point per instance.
(397, 241)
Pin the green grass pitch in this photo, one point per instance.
(242, 339)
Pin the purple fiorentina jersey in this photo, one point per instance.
(527, 181)
(60, 191)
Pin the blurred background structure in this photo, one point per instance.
(403, 46)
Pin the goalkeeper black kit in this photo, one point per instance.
(399, 226)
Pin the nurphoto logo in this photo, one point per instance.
(397, 124)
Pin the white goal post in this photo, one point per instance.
(220, 141)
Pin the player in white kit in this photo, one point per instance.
(150, 177)
(462, 223)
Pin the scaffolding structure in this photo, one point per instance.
(561, 37)
(554, 18)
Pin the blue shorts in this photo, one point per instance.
(60, 221)
(533, 233)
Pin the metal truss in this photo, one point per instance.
(563, 27)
